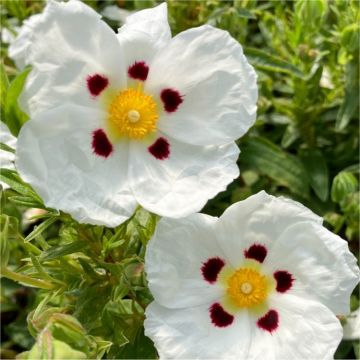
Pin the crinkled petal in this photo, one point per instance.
(182, 183)
(70, 43)
(218, 87)
(145, 32)
(174, 258)
(307, 330)
(259, 219)
(321, 263)
(189, 334)
(20, 47)
(7, 158)
(55, 155)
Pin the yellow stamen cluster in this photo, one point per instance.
(247, 287)
(133, 114)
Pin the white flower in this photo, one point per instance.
(6, 158)
(133, 118)
(20, 46)
(115, 13)
(263, 281)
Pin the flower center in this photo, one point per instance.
(247, 287)
(133, 114)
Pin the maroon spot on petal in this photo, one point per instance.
(96, 84)
(269, 322)
(257, 252)
(211, 268)
(171, 99)
(101, 144)
(284, 281)
(219, 317)
(138, 70)
(160, 149)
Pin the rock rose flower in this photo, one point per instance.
(264, 280)
(137, 117)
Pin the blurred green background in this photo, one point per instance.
(305, 143)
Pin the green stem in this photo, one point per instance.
(26, 280)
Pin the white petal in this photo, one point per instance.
(307, 330)
(218, 85)
(153, 23)
(20, 47)
(115, 13)
(181, 184)
(70, 43)
(6, 158)
(261, 218)
(55, 156)
(321, 263)
(189, 334)
(174, 258)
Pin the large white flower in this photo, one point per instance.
(6, 158)
(263, 281)
(133, 118)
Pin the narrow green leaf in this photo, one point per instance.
(4, 84)
(4, 247)
(272, 161)
(26, 201)
(267, 62)
(41, 228)
(242, 12)
(317, 170)
(351, 98)
(62, 250)
(7, 148)
(14, 116)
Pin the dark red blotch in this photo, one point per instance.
(257, 252)
(139, 70)
(219, 317)
(96, 84)
(284, 281)
(101, 144)
(171, 99)
(269, 322)
(160, 149)
(211, 269)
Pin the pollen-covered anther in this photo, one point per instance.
(133, 114)
(247, 287)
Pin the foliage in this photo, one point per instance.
(91, 287)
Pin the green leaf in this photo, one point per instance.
(350, 37)
(272, 161)
(242, 12)
(351, 98)
(4, 84)
(317, 170)
(343, 184)
(7, 148)
(62, 250)
(26, 201)
(13, 115)
(41, 228)
(11, 178)
(4, 246)
(267, 62)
